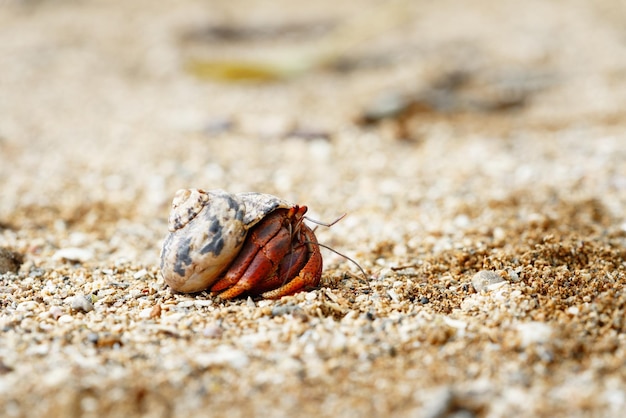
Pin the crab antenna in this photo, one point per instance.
(332, 249)
(326, 224)
(341, 255)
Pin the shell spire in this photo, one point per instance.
(187, 203)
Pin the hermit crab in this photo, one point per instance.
(234, 244)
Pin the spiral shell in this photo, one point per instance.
(206, 232)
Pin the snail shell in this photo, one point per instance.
(206, 232)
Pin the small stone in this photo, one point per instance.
(141, 274)
(81, 303)
(534, 332)
(27, 306)
(55, 312)
(284, 309)
(73, 254)
(393, 295)
(10, 261)
(155, 312)
(439, 403)
(65, 319)
(36, 272)
(484, 279)
(4, 369)
(38, 350)
(223, 356)
(109, 340)
(499, 234)
(213, 331)
(186, 304)
(573, 310)
(513, 276)
(145, 313)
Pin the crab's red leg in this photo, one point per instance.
(311, 273)
(288, 268)
(263, 265)
(259, 236)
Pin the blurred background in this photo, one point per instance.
(380, 109)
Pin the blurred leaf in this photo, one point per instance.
(334, 47)
(233, 70)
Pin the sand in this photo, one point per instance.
(487, 210)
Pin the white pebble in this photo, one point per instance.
(55, 312)
(73, 254)
(484, 279)
(65, 319)
(172, 318)
(393, 295)
(455, 323)
(462, 221)
(438, 403)
(27, 306)
(140, 274)
(534, 333)
(212, 331)
(78, 238)
(80, 303)
(499, 234)
(186, 303)
(145, 313)
(223, 356)
(495, 286)
(37, 350)
(513, 276)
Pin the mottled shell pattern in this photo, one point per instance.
(206, 232)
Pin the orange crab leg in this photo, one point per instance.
(311, 273)
(259, 237)
(288, 268)
(263, 265)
